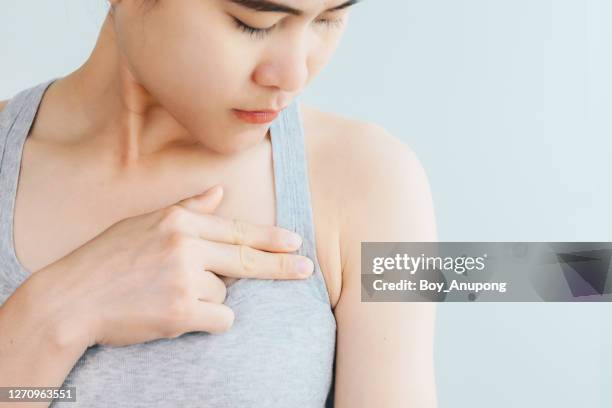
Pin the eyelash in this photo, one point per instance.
(262, 32)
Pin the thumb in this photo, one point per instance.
(207, 202)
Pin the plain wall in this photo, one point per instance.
(507, 103)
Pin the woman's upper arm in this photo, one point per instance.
(384, 350)
(3, 105)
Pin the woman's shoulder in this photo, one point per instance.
(3, 105)
(326, 130)
(348, 160)
(344, 148)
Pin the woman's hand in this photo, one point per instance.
(151, 276)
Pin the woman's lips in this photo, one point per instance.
(256, 117)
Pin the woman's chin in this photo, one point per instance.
(238, 143)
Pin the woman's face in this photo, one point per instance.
(198, 60)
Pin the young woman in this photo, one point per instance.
(119, 256)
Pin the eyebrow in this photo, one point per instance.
(270, 6)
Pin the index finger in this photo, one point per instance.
(211, 227)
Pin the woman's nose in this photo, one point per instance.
(287, 71)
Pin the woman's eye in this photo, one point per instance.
(254, 32)
(262, 32)
(331, 23)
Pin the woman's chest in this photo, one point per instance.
(58, 209)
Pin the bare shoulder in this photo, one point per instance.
(353, 166)
(357, 155)
(3, 105)
(349, 137)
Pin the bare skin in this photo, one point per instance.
(139, 143)
(42, 236)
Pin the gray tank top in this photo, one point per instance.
(280, 350)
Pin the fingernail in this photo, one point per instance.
(305, 266)
(294, 241)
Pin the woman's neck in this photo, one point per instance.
(102, 104)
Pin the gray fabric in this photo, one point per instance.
(280, 350)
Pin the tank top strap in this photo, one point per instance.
(18, 114)
(15, 122)
(293, 198)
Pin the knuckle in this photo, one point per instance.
(172, 217)
(239, 231)
(176, 251)
(176, 241)
(285, 264)
(247, 258)
(172, 210)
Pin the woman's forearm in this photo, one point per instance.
(39, 345)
